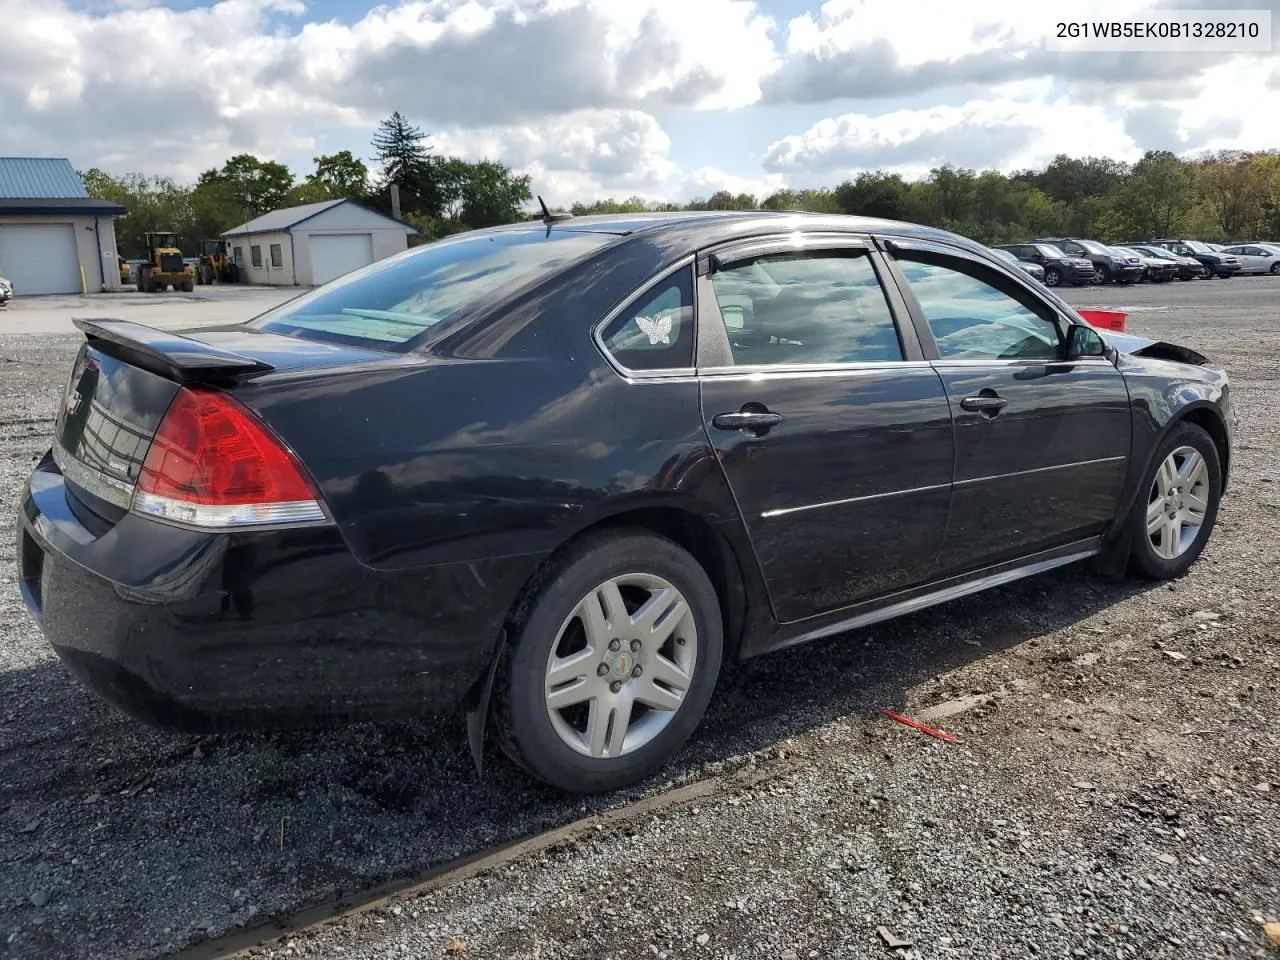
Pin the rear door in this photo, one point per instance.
(1042, 444)
(833, 431)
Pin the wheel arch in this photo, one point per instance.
(1205, 416)
(677, 521)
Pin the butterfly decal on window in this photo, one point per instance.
(657, 329)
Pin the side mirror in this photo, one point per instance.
(1084, 342)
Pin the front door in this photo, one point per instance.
(833, 431)
(1042, 444)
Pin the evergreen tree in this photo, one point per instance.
(401, 152)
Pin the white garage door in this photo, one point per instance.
(40, 258)
(332, 255)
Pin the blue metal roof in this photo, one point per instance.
(45, 178)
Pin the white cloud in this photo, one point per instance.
(1003, 133)
(574, 91)
(587, 153)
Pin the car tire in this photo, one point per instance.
(1275, 269)
(1153, 552)
(1101, 275)
(552, 634)
(1053, 276)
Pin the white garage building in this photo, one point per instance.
(53, 236)
(312, 244)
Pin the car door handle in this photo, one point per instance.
(746, 420)
(988, 404)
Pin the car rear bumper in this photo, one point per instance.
(197, 631)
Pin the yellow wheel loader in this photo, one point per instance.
(216, 264)
(165, 266)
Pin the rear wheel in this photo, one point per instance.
(1172, 520)
(1275, 269)
(613, 665)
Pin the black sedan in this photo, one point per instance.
(1032, 270)
(552, 474)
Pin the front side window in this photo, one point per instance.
(277, 256)
(973, 319)
(819, 307)
(655, 333)
(255, 255)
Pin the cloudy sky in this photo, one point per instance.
(664, 98)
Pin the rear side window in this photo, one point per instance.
(656, 332)
(820, 307)
(390, 303)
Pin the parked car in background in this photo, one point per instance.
(1034, 270)
(1257, 257)
(1154, 269)
(6, 291)
(1212, 263)
(655, 442)
(1058, 267)
(1108, 266)
(1185, 268)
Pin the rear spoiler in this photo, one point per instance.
(170, 355)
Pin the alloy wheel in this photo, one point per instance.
(622, 663)
(1177, 503)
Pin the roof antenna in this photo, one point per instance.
(549, 218)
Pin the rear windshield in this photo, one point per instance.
(392, 302)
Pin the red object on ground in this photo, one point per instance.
(919, 726)
(1105, 319)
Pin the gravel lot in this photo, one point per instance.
(1114, 793)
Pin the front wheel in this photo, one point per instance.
(1053, 276)
(1101, 275)
(613, 665)
(1172, 521)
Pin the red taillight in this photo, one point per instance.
(214, 464)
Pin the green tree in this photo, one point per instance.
(338, 176)
(1159, 192)
(490, 194)
(873, 194)
(154, 203)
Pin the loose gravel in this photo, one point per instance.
(1113, 792)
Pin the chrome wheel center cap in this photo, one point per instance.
(621, 663)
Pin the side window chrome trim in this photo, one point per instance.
(661, 373)
(759, 371)
(1020, 362)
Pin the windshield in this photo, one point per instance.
(1158, 252)
(1197, 246)
(1006, 255)
(1049, 250)
(391, 302)
(1126, 252)
(1093, 246)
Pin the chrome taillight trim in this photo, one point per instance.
(240, 516)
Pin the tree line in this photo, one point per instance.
(1229, 195)
(438, 194)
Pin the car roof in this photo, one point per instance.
(715, 223)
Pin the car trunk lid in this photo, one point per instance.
(123, 381)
